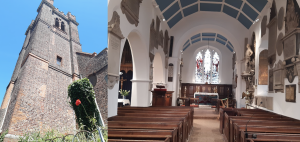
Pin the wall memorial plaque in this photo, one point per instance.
(289, 47)
(131, 9)
(290, 93)
(280, 18)
(279, 45)
(263, 68)
(271, 80)
(114, 46)
(166, 42)
(292, 16)
(290, 73)
(264, 26)
(272, 45)
(170, 73)
(278, 73)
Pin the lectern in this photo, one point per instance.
(161, 97)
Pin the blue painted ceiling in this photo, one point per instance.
(214, 37)
(245, 11)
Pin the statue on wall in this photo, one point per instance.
(248, 62)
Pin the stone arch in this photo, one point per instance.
(139, 55)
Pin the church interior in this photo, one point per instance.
(203, 70)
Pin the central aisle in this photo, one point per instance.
(206, 128)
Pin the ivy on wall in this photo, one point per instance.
(82, 100)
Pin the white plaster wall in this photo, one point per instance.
(279, 104)
(217, 22)
(138, 38)
(189, 56)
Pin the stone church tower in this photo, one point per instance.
(36, 97)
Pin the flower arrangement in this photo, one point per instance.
(124, 92)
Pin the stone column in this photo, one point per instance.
(140, 94)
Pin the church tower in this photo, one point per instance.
(36, 97)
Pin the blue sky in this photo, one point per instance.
(16, 15)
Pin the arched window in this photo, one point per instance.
(56, 23)
(207, 67)
(62, 26)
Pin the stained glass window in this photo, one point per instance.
(207, 67)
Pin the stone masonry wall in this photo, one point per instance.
(96, 65)
(39, 100)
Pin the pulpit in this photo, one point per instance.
(161, 97)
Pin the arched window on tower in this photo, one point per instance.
(62, 26)
(207, 67)
(56, 23)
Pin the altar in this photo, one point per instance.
(124, 101)
(206, 98)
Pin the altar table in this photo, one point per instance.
(125, 101)
(206, 98)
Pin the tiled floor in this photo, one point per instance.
(206, 130)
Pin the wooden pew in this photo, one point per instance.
(267, 129)
(268, 136)
(239, 121)
(271, 140)
(142, 134)
(159, 114)
(227, 121)
(151, 119)
(189, 110)
(119, 140)
(162, 118)
(149, 125)
(236, 133)
(232, 112)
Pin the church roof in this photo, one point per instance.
(245, 11)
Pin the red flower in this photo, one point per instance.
(78, 102)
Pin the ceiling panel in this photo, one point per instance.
(250, 12)
(213, 0)
(251, 9)
(164, 4)
(258, 4)
(171, 11)
(221, 37)
(229, 48)
(221, 41)
(195, 36)
(185, 3)
(210, 7)
(235, 3)
(209, 34)
(196, 40)
(190, 10)
(210, 39)
(245, 21)
(175, 19)
(230, 11)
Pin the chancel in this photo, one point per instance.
(233, 62)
